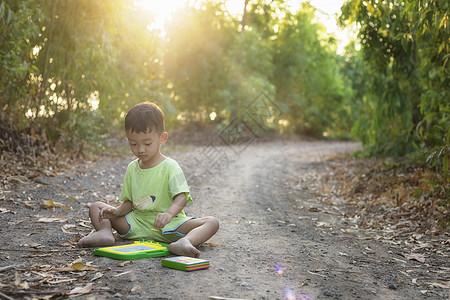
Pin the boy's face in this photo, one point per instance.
(146, 146)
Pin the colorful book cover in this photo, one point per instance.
(138, 250)
(185, 263)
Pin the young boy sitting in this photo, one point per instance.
(153, 196)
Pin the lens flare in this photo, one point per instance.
(290, 294)
(303, 296)
(279, 269)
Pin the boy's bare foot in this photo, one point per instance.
(100, 238)
(184, 247)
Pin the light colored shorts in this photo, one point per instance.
(143, 231)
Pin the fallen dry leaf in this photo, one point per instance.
(67, 244)
(20, 179)
(4, 211)
(37, 254)
(415, 256)
(136, 288)
(109, 198)
(51, 220)
(125, 263)
(63, 269)
(86, 224)
(50, 204)
(323, 224)
(79, 266)
(61, 280)
(326, 189)
(97, 275)
(440, 284)
(82, 290)
(67, 226)
(20, 284)
(6, 268)
(28, 204)
(123, 273)
(33, 245)
(72, 199)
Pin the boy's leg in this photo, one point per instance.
(197, 232)
(103, 235)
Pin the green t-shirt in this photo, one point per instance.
(151, 191)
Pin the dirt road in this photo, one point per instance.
(276, 240)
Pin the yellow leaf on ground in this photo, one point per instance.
(50, 204)
(79, 266)
(125, 263)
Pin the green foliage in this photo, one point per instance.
(307, 77)
(223, 67)
(19, 31)
(251, 68)
(75, 67)
(220, 70)
(136, 71)
(405, 51)
(65, 58)
(199, 74)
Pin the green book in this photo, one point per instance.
(185, 263)
(142, 249)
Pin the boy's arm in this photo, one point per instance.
(162, 219)
(124, 208)
(113, 212)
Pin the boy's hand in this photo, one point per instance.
(107, 213)
(162, 220)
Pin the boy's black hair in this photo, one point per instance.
(145, 117)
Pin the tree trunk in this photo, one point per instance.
(244, 17)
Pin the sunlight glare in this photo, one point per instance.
(94, 100)
(161, 10)
(235, 7)
(36, 50)
(326, 15)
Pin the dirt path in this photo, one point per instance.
(276, 241)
